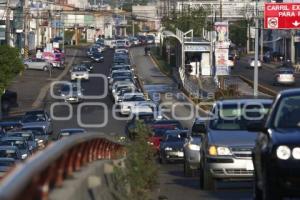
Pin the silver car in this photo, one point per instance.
(285, 76)
(37, 63)
(227, 144)
(39, 118)
(191, 147)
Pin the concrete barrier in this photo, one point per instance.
(96, 181)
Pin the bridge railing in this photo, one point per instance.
(47, 169)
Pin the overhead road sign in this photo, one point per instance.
(282, 16)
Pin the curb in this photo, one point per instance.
(154, 60)
(261, 88)
(43, 92)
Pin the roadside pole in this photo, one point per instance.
(25, 11)
(255, 85)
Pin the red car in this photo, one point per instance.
(158, 132)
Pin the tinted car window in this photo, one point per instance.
(288, 113)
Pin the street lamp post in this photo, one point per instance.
(255, 85)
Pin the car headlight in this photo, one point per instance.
(194, 147)
(219, 151)
(150, 143)
(168, 149)
(24, 156)
(296, 153)
(283, 152)
(62, 95)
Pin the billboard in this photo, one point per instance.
(221, 56)
(282, 16)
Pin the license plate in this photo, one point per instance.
(250, 166)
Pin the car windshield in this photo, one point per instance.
(133, 98)
(34, 118)
(18, 143)
(27, 136)
(288, 113)
(286, 71)
(174, 138)
(8, 153)
(79, 69)
(116, 74)
(237, 117)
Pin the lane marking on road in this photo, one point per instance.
(43, 92)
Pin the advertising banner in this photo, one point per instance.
(221, 56)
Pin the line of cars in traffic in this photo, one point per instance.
(22, 136)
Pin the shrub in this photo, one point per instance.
(141, 171)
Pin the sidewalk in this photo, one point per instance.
(32, 86)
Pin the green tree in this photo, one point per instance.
(195, 19)
(238, 32)
(10, 65)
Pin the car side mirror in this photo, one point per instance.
(256, 127)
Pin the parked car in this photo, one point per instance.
(150, 39)
(37, 63)
(98, 57)
(11, 152)
(231, 61)
(276, 155)
(70, 131)
(252, 62)
(130, 100)
(226, 147)
(87, 64)
(191, 147)
(10, 125)
(171, 146)
(117, 87)
(120, 67)
(79, 72)
(71, 93)
(28, 136)
(38, 118)
(158, 132)
(284, 76)
(119, 73)
(142, 39)
(40, 134)
(120, 94)
(19, 142)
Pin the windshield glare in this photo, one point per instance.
(288, 113)
(237, 117)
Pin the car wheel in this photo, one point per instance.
(208, 181)
(187, 169)
(45, 68)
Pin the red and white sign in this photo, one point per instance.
(282, 16)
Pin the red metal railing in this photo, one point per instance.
(47, 169)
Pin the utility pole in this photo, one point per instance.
(293, 46)
(255, 85)
(7, 23)
(132, 18)
(221, 10)
(26, 26)
(261, 41)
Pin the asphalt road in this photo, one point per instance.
(265, 75)
(95, 113)
(173, 185)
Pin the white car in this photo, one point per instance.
(142, 108)
(129, 101)
(37, 63)
(122, 85)
(118, 73)
(252, 62)
(121, 51)
(79, 72)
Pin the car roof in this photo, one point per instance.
(134, 94)
(288, 92)
(12, 138)
(245, 100)
(35, 112)
(33, 126)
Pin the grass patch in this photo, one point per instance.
(161, 62)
